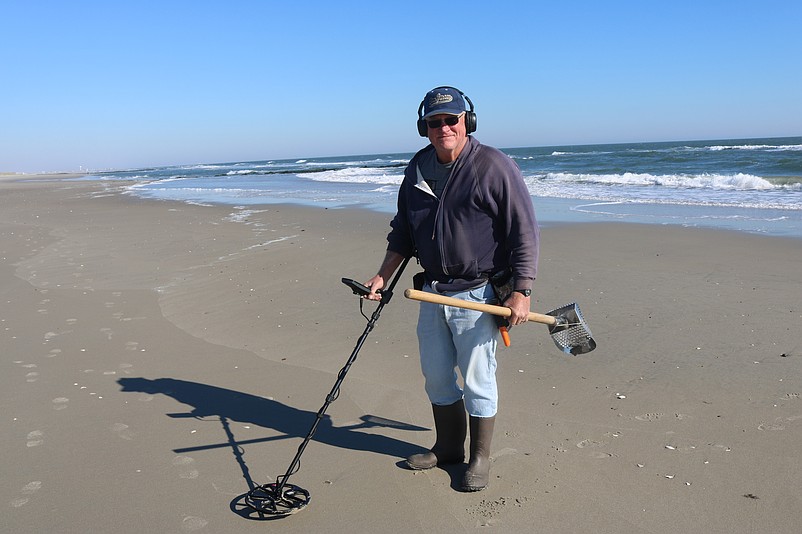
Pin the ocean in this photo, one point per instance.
(748, 185)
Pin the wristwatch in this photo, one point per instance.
(524, 292)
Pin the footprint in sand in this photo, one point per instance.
(35, 438)
(122, 430)
(192, 523)
(649, 417)
(185, 463)
(487, 511)
(591, 444)
(31, 487)
(28, 489)
(31, 376)
(60, 403)
(776, 425)
(585, 443)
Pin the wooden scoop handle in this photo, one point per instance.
(434, 298)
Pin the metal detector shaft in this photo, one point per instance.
(502, 311)
(386, 295)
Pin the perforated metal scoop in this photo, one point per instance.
(570, 332)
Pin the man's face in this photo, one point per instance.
(448, 140)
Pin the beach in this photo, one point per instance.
(160, 358)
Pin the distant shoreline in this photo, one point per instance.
(550, 211)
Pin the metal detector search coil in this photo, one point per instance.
(277, 499)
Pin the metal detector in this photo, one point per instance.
(567, 327)
(280, 498)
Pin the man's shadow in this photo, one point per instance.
(228, 405)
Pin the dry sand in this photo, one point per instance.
(158, 358)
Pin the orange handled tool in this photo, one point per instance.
(505, 335)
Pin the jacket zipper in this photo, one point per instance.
(438, 217)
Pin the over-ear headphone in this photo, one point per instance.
(470, 116)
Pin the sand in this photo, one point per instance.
(159, 358)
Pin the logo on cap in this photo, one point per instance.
(439, 98)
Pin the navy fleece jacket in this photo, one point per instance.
(484, 221)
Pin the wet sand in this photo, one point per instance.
(160, 358)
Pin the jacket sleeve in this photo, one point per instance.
(400, 237)
(517, 217)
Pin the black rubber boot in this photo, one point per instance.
(478, 474)
(449, 447)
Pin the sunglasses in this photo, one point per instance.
(437, 123)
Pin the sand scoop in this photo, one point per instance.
(567, 327)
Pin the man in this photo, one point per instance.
(465, 212)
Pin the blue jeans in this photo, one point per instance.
(452, 338)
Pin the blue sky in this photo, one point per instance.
(105, 84)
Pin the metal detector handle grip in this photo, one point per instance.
(434, 298)
(356, 287)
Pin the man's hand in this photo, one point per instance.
(375, 284)
(519, 305)
(391, 262)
